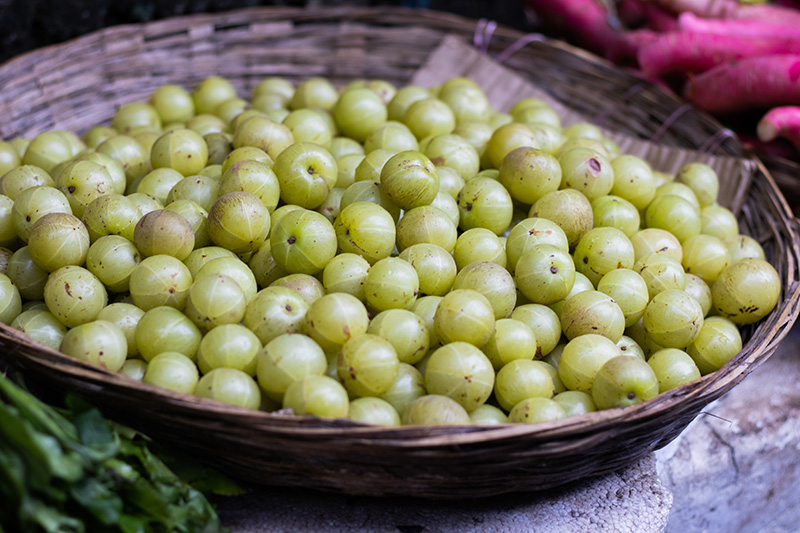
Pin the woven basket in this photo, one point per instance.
(80, 83)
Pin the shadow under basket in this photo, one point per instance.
(81, 83)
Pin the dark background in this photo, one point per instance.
(29, 24)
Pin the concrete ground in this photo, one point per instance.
(735, 468)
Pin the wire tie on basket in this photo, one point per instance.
(483, 34)
(713, 142)
(730, 422)
(518, 45)
(670, 121)
(636, 89)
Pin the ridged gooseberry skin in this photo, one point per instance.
(275, 311)
(602, 250)
(717, 343)
(568, 208)
(410, 179)
(545, 274)
(531, 232)
(367, 365)
(214, 300)
(464, 315)
(582, 358)
(98, 343)
(391, 283)
(536, 410)
(746, 291)
(334, 319)
(673, 368)
(165, 329)
(629, 290)
(359, 111)
(285, 359)
(57, 240)
(528, 174)
(485, 203)
(435, 267)
(303, 242)
(239, 222)
(405, 331)
(592, 312)
(492, 281)
(230, 386)
(306, 173)
(461, 372)
(623, 381)
(373, 411)
(160, 280)
(229, 346)
(365, 229)
(522, 379)
(673, 319)
(74, 295)
(182, 150)
(512, 340)
(320, 396)
(163, 232)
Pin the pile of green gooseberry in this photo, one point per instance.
(395, 256)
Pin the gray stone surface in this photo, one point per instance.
(736, 468)
(631, 500)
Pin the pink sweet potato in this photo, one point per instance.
(585, 22)
(625, 49)
(752, 83)
(768, 13)
(703, 8)
(738, 28)
(781, 122)
(698, 52)
(659, 19)
(631, 13)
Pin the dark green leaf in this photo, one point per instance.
(43, 454)
(42, 416)
(37, 513)
(91, 475)
(133, 524)
(205, 479)
(98, 500)
(94, 432)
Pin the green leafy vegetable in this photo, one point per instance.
(74, 471)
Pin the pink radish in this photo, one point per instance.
(658, 19)
(697, 52)
(703, 8)
(631, 13)
(781, 122)
(585, 21)
(751, 83)
(768, 13)
(627, 46)
(738, 28)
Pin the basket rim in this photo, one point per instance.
(712, 385)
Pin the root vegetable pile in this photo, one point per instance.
(723, 56)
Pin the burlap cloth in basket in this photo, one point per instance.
(504, 88)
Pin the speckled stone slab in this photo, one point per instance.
(630, 500)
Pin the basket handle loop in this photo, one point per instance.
(484, 30)
(712, 143)
(518, 45)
